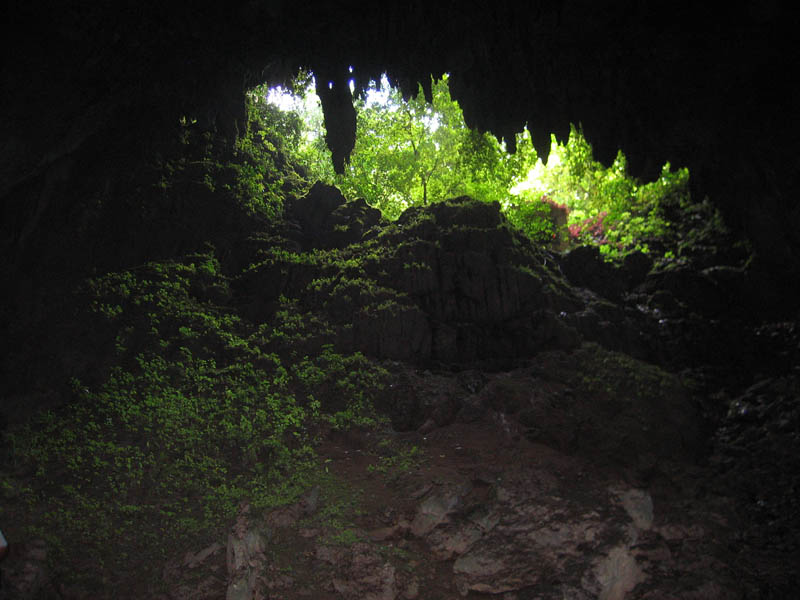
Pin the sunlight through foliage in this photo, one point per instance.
(410, 152)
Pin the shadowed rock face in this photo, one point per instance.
(451, 282)
(491, 511)
(699, 86)
(557, 478)
(324, 219)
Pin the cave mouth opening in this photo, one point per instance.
(413, 149)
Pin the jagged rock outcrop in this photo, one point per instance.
(636, 78)
(584, 267)
(451, 282)
(324, 219)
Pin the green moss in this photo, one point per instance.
(594, 370)
(398, 460)
(194, 412)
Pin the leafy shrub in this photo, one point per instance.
(589, 231)
(348, 385)
(193, 413)
(409, 152)
(532, 215)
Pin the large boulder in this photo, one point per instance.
(584, 267)
(325, 219)
(451, 282)
(485, 288)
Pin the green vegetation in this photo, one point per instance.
(409, 152)
(340, 504)
(191, 410)
(606, 206)
(215, 187)
(211, 369)
(396, 459)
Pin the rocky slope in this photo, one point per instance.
(555, 427)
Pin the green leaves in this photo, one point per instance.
(607, 206)
(192, 414)
(532, 215)
(410, 152)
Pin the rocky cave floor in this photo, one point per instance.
(489, 507)
(574, 472)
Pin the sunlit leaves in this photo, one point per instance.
(410, 152)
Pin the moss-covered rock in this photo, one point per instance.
(327, 220)
(449, 282)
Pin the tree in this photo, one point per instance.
(411, 152)
(407, 151)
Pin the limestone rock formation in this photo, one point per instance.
(552, 468)
(636, 78)
(608, 513)
(451, 282)
(326, 220)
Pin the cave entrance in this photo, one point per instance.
(414, 150)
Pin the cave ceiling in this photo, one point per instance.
(711, 89)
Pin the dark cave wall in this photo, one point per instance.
(708, 89)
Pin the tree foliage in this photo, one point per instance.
(410, 152)
(607, 206)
